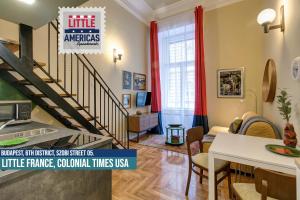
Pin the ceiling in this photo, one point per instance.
(43, 11)
(35, 15)
(156, 4)
(147, 10)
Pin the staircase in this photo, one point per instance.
(68, 86)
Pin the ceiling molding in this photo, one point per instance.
(175, 8)
(218, 4)
(185, 5)
(142, 11)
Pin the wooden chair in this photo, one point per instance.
(268, 185)
(200, 160)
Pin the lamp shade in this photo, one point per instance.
(266, 16)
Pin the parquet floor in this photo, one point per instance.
(161, 175)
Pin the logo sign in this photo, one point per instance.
(81, 30)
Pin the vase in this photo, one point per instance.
(290, 136)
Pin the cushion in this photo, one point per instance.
(261, 129)
(248, 115)
(235, 126)
(247, 191)
(217, 129)
(202, 160)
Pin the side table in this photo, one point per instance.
(175, 135)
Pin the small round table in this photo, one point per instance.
(176, 137)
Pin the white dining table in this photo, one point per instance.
(251, 151)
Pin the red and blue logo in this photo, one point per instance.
(81, 28)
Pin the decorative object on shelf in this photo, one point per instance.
(290, 136)
(139, 81)
(175, 139)
(126, 99)
(127, 80)
(283, 150)
(267, 16)
(269, 81)
(231, 83)
(117, 55)
(285, 109)
(296, 68)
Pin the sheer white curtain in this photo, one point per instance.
(177, 69)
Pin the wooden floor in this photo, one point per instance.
(161, 175)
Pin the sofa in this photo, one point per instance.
(252, 125)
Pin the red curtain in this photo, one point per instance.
(155, 76)
(200, 113)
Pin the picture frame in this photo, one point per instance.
(126, 100)
(139, 81)
(230, 83)
(126, 80)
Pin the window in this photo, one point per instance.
(177, 72)
(178, 67)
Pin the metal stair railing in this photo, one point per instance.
(74, 73)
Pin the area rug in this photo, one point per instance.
(158, 141)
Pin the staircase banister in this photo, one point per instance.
(102, 80)
(94, 69)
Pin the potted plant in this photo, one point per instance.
(285, 109)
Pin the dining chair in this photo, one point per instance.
(268, 185)
(199, 160)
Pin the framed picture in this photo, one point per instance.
(139, 81)
(126, 99)
(231, 83)
(127, 80)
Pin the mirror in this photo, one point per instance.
(269, 81)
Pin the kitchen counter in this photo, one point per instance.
(60, 133)
(52, 184)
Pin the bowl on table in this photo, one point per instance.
(175, 125)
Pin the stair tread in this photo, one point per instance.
(6, 66)
(10, 44)
(42, 64)
(101, 128)
(46, 80)
(88, 119)
(77, 126)
(75, 107)
(62, 95)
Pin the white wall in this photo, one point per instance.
(233, 39)
(283, 48)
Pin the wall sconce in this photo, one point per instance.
(116, 55)
(268, 16)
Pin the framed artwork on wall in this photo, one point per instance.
(127, 80)
(230, 83)
(126, 100)
(139, 81)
